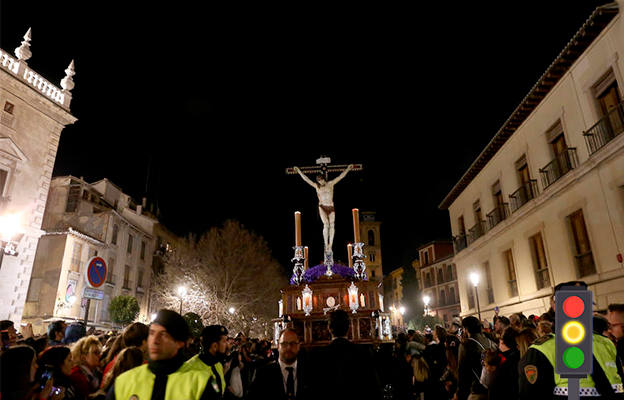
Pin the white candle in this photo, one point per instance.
(356, 225)
(297, 228)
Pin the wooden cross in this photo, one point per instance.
(323, 167)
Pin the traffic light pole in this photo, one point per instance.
(573, 388)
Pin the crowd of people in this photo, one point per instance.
(510, 358)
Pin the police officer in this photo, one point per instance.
(162, 378)
(214, 345)
(537, 376)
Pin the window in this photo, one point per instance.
(143, 250)
(608, 97)
(126, 282)
(111, 270)
(449, 273)
(8, 107)
(3, 179)
(130, 239)
(73, 196)
(426, 257)
(452, 295)
(371, 257)
(511, 273)
(85, 195)
(470, 294)
(140, 278)
(460, 225)
(440, 276)
(428, 280)
(115, 233)
(76, 257)
(539, 261)
(488, 282)
(582, 249)
(442, 298)
(373, 273)
(371, 238)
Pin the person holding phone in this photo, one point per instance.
(18, 369)
(57, 363)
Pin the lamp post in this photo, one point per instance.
(474, 278)
(181, 293)
(426, 300)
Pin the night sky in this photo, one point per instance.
(204, 108)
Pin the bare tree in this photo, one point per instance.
(227, 269)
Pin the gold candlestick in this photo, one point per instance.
(297, 228)
(305, 257)
(350, 254)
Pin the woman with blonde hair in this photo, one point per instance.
(86, 373)
(525, 339)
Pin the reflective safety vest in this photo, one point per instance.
(196, 364)
(605, 353)
(137, 384)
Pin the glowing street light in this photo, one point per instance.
(153, 316)
(231, 310)
(426, 300)
(9, 226)
(474, 278)
(402, 310)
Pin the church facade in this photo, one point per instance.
(33, 113)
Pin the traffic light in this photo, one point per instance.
(573, 332)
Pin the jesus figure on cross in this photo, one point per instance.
(325, 193)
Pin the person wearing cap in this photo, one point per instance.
(163, 378)
(214, 346)
(536, 369)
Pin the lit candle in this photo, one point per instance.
(356, 225)
(281, 308)
(305, 256)
(297, 228)
(350, 254)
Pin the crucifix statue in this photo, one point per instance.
(325, 192)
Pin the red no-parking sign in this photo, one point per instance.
(95, 273)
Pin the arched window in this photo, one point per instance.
(371, 238)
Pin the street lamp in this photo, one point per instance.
(181, 293)
(232, 310)
(426, 300)
(474, 278)
(402, 310)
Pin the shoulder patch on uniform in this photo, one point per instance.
(530, 371)
(543, 339)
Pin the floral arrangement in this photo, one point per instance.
(314, 273)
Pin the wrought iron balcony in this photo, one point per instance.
(605, 130)
(563, 163)
(498, 214)
(526, 192)
(476, 231)
(460, 242)
(585, 264)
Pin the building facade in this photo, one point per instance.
(83, 220)
(544, 202)
(439, 280)
(33, 113)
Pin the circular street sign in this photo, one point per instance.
(95, 273)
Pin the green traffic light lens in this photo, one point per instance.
(573, 357)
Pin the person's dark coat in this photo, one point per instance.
(345, 370)
(269, 383)
(504, 384)
(469, 361)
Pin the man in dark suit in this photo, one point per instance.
(344, 370)
(283, 379)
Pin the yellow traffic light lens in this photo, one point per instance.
(573, 332)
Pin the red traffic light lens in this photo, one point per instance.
(573, 307)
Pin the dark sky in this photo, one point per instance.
(219, 102)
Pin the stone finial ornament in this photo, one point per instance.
(23, 52)
(67, 83)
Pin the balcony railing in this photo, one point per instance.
(460, 242)
(543, 280)
(605, 130)
(526, 192)
(585, 264)
(476, 231)
(561, 165)
(497, 215)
